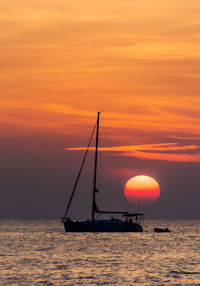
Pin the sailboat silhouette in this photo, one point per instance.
(131, 221)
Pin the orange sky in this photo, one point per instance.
(138, 61)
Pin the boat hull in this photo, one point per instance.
(161, 229)
(101, 226)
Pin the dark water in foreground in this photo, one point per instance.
(40, 253)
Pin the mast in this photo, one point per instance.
(95, 167)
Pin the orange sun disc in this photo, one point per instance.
(142, 189)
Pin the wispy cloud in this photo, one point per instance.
(184, 137)
(163, 151)
(175, 157)
(145, 147)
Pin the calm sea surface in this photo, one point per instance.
(39, 252)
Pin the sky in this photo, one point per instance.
(60, 63)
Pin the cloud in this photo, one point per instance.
(130, 67)
(163, 151)
(146, 147)
(175, 157)
(184, 137)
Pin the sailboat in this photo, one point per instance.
(131, 222)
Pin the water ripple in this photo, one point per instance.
(41, 253)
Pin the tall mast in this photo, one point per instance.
(95, 167)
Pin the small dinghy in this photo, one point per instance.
(156, 229)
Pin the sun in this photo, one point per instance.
(142, 189)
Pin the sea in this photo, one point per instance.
(39, 252)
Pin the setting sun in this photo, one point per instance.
(142, 189)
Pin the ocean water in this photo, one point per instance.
(39, 252)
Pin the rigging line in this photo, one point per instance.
(100, 166)
(100, 172)
(113, 161)
(115, 170)
(78, 210)
(75, 185)
(114, 164)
